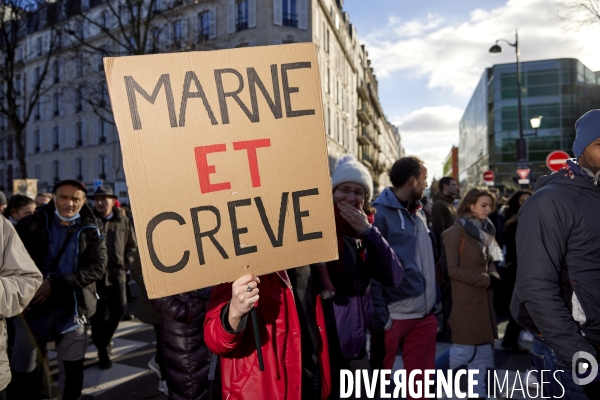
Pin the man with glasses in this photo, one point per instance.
(122, 247)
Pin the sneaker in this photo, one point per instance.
(104, 362)
(532, 382)
(526, 336)
(162, 387)
(153, 365)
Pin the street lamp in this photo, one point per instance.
(495, 49)
(536, 122)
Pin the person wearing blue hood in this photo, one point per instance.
(405, 312)
(557, 292)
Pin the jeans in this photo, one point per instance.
(545, 358)
(480, 357)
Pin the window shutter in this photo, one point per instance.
(184, 33)
(213, 22)
(251, 13)
(303, 14)
(277, 12)
(230, 16)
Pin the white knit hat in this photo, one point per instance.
(348, 169)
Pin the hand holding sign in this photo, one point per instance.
(244, 294)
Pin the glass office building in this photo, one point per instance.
(559, 90)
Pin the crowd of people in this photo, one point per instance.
(409, 274)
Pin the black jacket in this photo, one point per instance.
(187, 359)
(34, 231)
(558, 251)
(120, 244)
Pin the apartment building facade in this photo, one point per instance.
(71, 134)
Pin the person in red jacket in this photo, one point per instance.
(292, 332)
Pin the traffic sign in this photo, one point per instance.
(556, 160)
(97, 183)
(523, 181)
(488, 176)
(523, 173)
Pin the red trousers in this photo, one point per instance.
(416, 340)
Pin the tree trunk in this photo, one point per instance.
(20, 150)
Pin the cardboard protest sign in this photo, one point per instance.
(25, 187)
(226, 163)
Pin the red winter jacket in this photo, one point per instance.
(279, 329)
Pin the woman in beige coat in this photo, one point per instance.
(470, 253)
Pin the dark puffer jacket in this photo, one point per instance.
(120, 245)
(556, 292)
(187, 359)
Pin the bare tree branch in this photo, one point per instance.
(18, 96)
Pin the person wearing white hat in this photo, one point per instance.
(363, 254)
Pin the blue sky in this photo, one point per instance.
(428, 56)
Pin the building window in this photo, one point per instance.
(56, 170)
(290, 15)
(328, 120)
(9, 148)
(36, 141)
(103, 94)
(203, 26)
(38, 172)
(241, 15)
(79, 134)
(56, 72)
(102, 133)
(38, 76)
(38, 46)
(2, 150)
(18, 85)
(157, 6)
(79, 66)
(103, 167)
(79, 169)
(56, 138)
(177, 35)
(327, 41)
(56, 104)
(104, 20)
(38, 113)
(9, 174)
(101, 54)
(78, 99)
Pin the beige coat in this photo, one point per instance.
(472, 318)
(19, 280)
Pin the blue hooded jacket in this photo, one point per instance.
(408, 235)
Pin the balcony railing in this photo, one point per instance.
(241, 24)
(290, 20)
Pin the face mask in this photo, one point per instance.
(73, 218)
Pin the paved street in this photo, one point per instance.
(134, 346)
